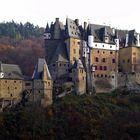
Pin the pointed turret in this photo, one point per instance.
(47, 30)
(79, 77)
(41, 69)
(78, 64)
(42, 84)
(45, 73)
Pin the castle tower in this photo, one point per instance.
(73, 40)
(42, 84)
(79, 77)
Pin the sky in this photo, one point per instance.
(120, 14)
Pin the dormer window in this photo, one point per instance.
(47, 36)
(106, 39)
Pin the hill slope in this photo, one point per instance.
(76, 118)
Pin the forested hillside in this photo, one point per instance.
(94, 117)
(21, 44)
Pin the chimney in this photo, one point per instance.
(85, 25)
(113, 30)
(57, 19)
(126, 41)
(77, 22)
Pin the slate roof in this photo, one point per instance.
(78, 64)
(72, 30)
(11, 71)
(56, 29)
(60, 54)
(47, 30)
(38, 71)
(132, 37)
(122, 37)
(51, 47)
(101, 31)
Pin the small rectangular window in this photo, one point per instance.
(113, 60)
(100, 67)
(95, 67)
(27, 84)
(96, 59)
(128, 60)
(48, 83)
(103, 60)
(134, 59)
(105, 68)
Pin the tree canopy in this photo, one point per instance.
(20, 31)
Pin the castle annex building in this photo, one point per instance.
(14, 86)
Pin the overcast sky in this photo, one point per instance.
(121, 14)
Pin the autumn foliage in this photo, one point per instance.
(21, 44)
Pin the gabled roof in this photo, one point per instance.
(72, 30)
(11, 71)
(60, 54)
(39, 69)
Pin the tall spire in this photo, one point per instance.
(41, 70)
(47, 30)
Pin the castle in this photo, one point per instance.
(89, 57)
(109, 57)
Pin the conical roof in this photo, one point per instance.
(78, 64)
(60, 54)
(39, 70)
